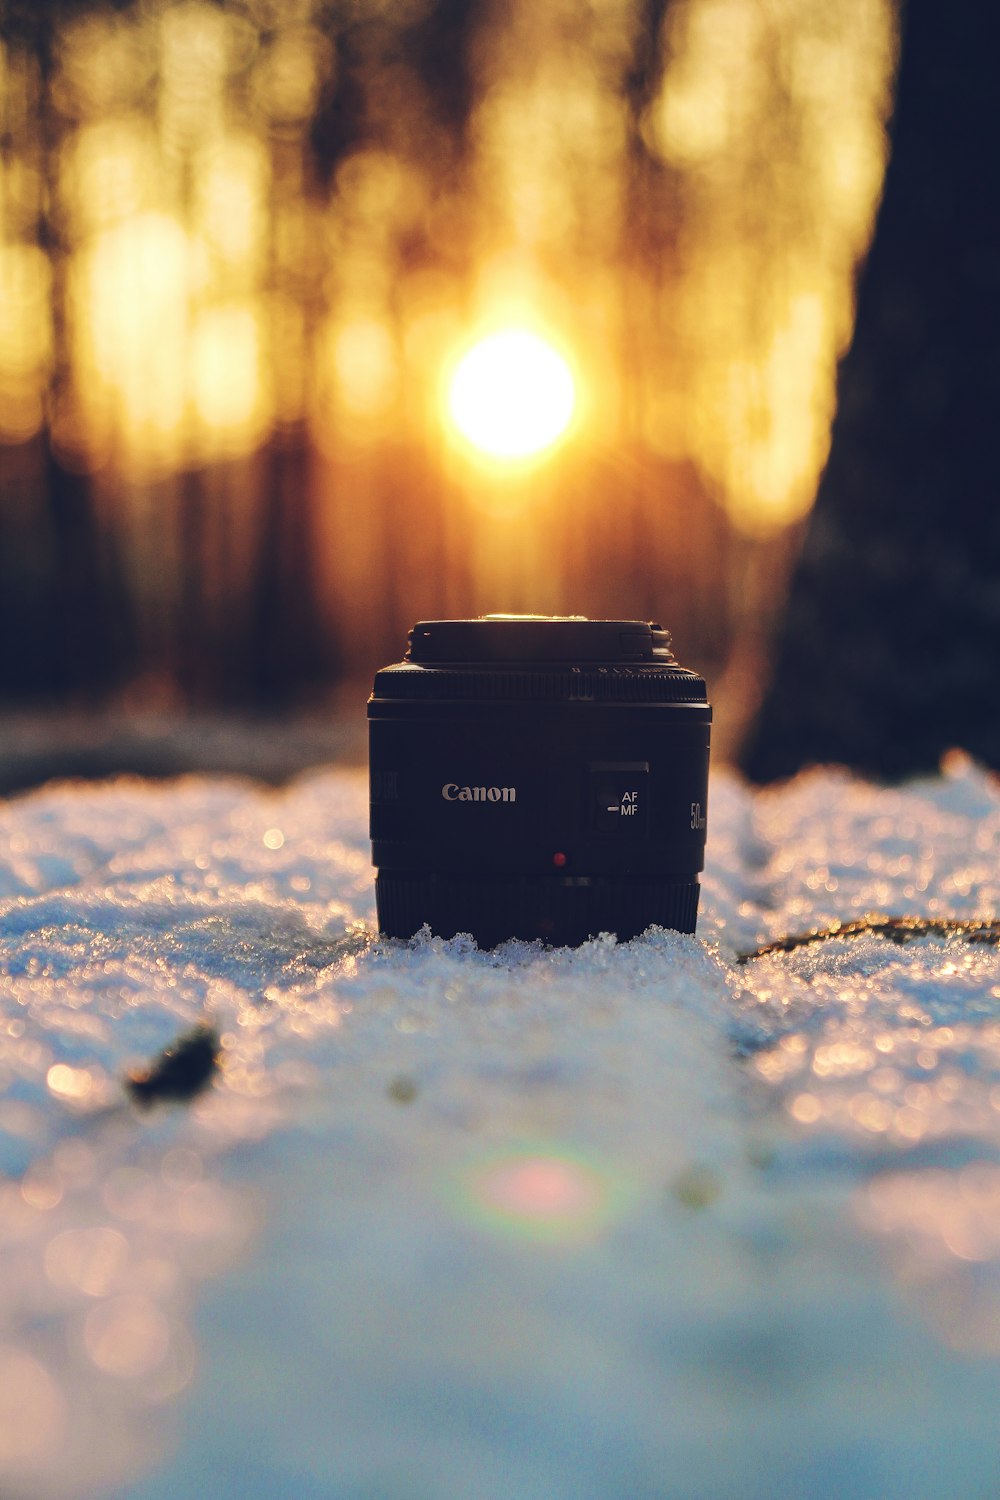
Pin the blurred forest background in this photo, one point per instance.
(242, 243)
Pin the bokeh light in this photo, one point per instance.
(32, 1408)
(252, 236)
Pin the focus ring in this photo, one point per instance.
(593, 685)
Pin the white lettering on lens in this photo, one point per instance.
(452, 792)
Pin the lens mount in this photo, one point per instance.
(538, 639)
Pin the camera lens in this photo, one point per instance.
(538, 777)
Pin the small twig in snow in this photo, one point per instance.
(897, 929)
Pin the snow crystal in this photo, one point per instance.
(635, 1219)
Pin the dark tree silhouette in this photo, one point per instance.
(887, 655)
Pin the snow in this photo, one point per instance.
(635, 1220)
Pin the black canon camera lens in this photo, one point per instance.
(538, 777)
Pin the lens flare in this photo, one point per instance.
(512, 395)
(542, 1193)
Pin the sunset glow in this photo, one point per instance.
(355, 322)
(512, 395)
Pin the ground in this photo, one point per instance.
(636, 1220)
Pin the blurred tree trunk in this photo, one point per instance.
(888, 651)
(290, 649)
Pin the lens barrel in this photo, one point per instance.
(538, 777)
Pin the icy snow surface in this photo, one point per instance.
(632, 1221)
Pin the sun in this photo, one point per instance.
(512, 395)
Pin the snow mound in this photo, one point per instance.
(634, 1219)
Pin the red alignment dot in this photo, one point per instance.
(559, 860)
